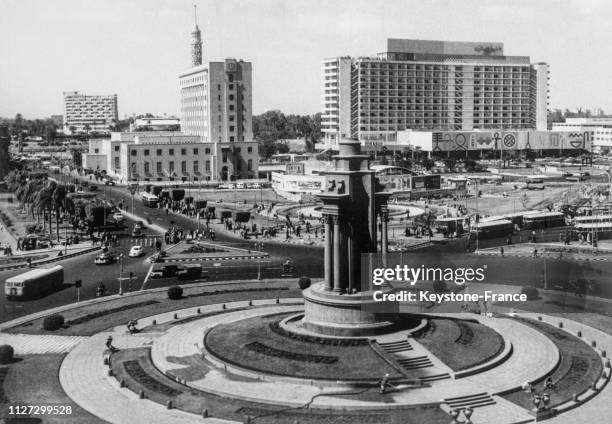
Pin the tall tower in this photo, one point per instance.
(196, 41)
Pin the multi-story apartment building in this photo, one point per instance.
(85, 113)
(431, 85)
(216, 104)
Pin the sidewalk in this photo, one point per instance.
(583, 252)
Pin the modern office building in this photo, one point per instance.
(432, 85)
(216, 105)
(87, 113)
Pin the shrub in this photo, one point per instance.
(531, 292)
(304, 283)
(53, 322)
(175, 292)
(439, 286)
(6, 354)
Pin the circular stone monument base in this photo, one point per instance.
(346, 315)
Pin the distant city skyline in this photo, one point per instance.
(136, 49)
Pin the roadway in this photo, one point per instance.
(306, 260)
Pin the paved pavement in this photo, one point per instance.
(84, 377)
(26, 344)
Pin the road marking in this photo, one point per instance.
(146, 277)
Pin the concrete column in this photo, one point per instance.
(329, 259)
(337, 256)
(384, 218)
(351, 264)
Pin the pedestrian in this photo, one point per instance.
(535, 253)
(501, 251)
(109, 344)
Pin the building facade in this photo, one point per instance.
(156, 124)
(432, 85)
(216, 105)
(85, 113)
(599, 130)
(490, 142)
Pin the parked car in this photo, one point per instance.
(137, 232)
(104, 258)
(136, 251)
(139, 225)
(93, 187)
(109, 182)
(118, 217)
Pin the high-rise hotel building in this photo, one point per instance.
(84, 113)
(431, 85)
(216, 104)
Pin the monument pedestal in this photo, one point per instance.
(348, 315)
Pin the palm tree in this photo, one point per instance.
(58, 198)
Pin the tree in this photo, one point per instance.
(59, 197)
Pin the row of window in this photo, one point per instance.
(159, 152)
(159, 168)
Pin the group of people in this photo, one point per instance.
(7, 250)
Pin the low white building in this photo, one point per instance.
(172, 156)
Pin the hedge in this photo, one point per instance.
(175, 292)
(53, 322)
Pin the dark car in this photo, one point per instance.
(93, 187)
(190, 272)
(109, 182)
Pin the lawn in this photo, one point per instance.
(160, 389)
(33, 381)
(98, 317)
(580, 366)
(252, 343)
(461, 344)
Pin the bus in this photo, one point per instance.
(593, 223)
(450, 225)
(535, 183)
(34, 283)
(149, 200)
(492, 229)
(544, 220)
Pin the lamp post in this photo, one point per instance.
(121, 256)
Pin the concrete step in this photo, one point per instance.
(415, 363)
(435, 377)
(399, 346)
(472, 401)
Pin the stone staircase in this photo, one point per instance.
(415, 362)
(398, 346)
(470, 401)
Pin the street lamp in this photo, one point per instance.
(121, 256)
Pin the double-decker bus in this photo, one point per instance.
(34, 283)
(150, 200)
(492, 229)
(543, 220)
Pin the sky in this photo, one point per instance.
(136, 48)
